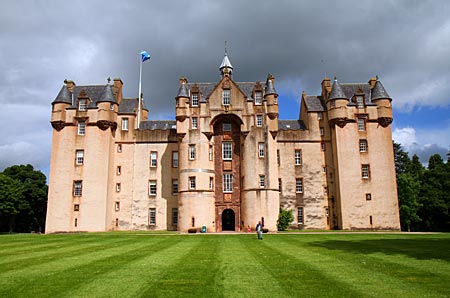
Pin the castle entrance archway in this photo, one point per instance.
(228, 220)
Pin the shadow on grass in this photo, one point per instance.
(419, 248)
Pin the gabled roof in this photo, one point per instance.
(315, 103)
(291, 125)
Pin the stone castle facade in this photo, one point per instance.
(226, 162)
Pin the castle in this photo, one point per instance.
(226, 162)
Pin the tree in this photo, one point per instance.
(401, 158)
(435, 161)
(408, 194)
(416, 167)
(284, 219)
(35, 194)
(12, 201)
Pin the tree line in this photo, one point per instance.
(423, 192)
(23, 199)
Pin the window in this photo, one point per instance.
(332, 103)
(194, 122)
(81, 128)
(322, 146)
(259, 120)
(226, 126)
(79, 160)
(76, 207)
(324, 169)
(191, 182)
(362, 145)
(278, 157)
(226, 97)
(299, 185)
(77, 188)
(300, 215)
(319, 115)
(298, 157)
(279, 185)
(360, 102)
(370, 220)
(322, 131)
(210, 152)
(117, 206)
(361, 124)
(211, 182)
(111, 107)
(174, 216)
(174, 186)
(227, 150)
(325, 190)
(365, 171)
(262, 181)
(125, 124)
(261, 149)
(119, 170)
(119, 148)
(152, 187)
(152, 216)
(153, 159)
(82, 104)
(191, 152)
(76, 222)
(227, 182)
(174, 159)
(195, 99)
(368, 197)
(118, 187)
(327, 211)
(258, 97)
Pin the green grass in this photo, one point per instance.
(283, 265)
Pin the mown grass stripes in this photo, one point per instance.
(154, 265)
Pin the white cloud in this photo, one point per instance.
(405, 136)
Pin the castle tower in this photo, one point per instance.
(84, 120)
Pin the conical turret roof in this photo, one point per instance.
(270, 89)
(336, 91)
(64, 96)
(183, 91)
(107, 95)
(378, 92)
(226, 63)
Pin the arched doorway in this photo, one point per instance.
(228, 220)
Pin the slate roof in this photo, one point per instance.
(64, 96)
(158, 125)
(128, 106)
(97, 93)
(378, 92)
(351, 88)
(291, 125)
(336, 91)
(270, 89)
(182, 91)
(315, 103)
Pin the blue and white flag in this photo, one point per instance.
(144, 56)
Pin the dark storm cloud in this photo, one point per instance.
(42, 43)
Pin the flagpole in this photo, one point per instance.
(140, 92)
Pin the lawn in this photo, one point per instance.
(282, 265)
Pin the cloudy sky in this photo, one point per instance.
(406, 43)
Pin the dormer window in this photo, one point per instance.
(226, 97)
(258, 97)
(194, 101)
(360, 102)
(82, 104)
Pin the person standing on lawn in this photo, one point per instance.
(259, 230)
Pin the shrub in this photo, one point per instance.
(284, 219)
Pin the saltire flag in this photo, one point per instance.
(144, 56)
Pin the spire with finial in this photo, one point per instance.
(226, 68)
